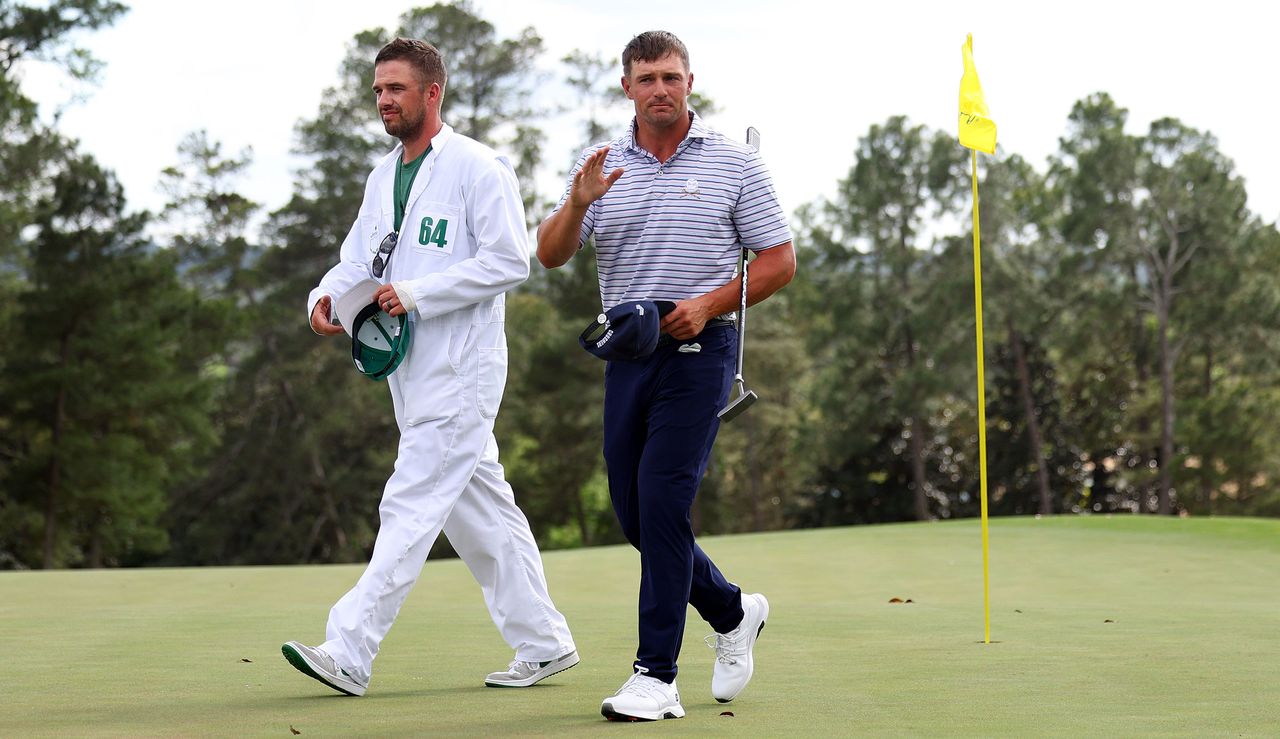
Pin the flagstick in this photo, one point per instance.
(982, 406)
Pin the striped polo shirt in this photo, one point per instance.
(672, 230)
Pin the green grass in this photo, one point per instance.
(1100, 626)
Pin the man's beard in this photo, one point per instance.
(405, 128)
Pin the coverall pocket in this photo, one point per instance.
(430, 385)
(460, 345)
(492, 380)
(372, 233)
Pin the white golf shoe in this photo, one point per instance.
(316, 663)
(734, 665)
(643, 698)
(523, 674)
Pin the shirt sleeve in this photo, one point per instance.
(758, 216)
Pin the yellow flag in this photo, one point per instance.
(977, 130)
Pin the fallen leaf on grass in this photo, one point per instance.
(293, 729)
(727, 713)
(1107, 621)
(899, 600)
(1017, 610)
(246, 659)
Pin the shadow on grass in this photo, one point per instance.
(443, 692)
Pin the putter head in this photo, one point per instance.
(737, 405)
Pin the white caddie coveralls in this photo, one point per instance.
(463, 243)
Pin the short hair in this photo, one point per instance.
(651, 46)
(422, 56)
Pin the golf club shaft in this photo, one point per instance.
(744, 397)
(742, 316)
(753, 140)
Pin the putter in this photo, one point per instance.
(744, 397)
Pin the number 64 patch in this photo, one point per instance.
(436, 227)
(434, 235)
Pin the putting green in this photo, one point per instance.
(1117, 626)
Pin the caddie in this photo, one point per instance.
(441, 232)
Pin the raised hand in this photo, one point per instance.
(590, 183)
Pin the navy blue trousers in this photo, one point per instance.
(659, 424)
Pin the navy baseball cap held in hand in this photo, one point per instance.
(628, 331)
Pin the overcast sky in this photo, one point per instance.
(812, 76)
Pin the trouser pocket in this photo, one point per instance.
(492, 380)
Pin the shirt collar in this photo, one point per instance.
(441, 139)
(697, 130)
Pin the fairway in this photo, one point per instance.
(1113, 626)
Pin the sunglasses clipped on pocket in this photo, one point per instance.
(383, 257)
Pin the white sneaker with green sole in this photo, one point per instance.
(523, 674)
(315, 663)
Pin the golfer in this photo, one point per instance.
(670, 203)
(442, 226)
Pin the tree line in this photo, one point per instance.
(163, 402)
